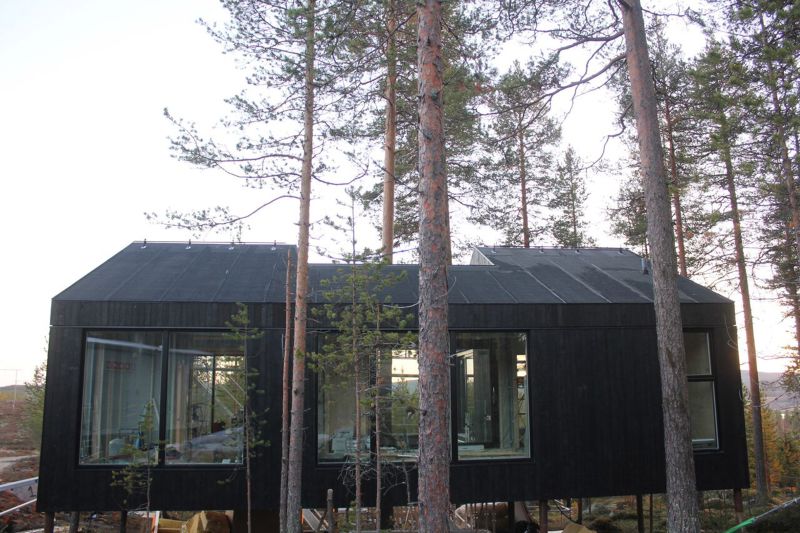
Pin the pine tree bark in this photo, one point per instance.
(287, 361)
(676, 194)
(294, 483)
(574, 213)
(390, 135)
(356, 368)
(759, 451)
(434, 370)
(682, 509)
(523, 185)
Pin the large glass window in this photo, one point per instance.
(398, 420)
(398, 378)
(336, 411)
(492, 395)
(205, 402)
(702, 404)
(121, 397)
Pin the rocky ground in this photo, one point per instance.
(19, 459)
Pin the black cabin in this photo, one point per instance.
(554, 384)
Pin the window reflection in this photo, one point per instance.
(205, 402)
(702, 404)
(121, 397)
(398, 383)
(492, 391)
(336, 412)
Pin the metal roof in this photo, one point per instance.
(187, 272)
(218, 272)
(586, 275)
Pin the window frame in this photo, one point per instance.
(710, 378)
(371, 430)
(454, 403)
(213, 402)
(85, 335)
(452, 332)
(166, 339)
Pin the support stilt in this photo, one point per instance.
(49, 522)
(639, 514)
(738, 507)
(74, 520)
(542, 516)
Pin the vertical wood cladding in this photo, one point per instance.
(596, 423)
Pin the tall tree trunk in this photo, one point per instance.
(434, 369)
(682, 510)
(293, 505)
(755, 392)
(792, 286)
(287, 358)
(390, 135)
(378, 421)
(357, 379)
(574, 215)
(676, 191)
(523, 185)
(356, 362)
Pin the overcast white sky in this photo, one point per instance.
(84, 151)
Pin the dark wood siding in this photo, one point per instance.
(594, 391)
(64, 485)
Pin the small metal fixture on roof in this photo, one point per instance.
(144, 244)
(274, 246)
(231, 247)
(644, 266)
(620, 251)
(189, 246)
(577, 250)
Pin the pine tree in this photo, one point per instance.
(297, 75)
(718, 80)
(669, 76)
(519, 143)
(599, 26)
(241, 332)
(464, 80)
(766, 41)
(682, 512)
(365, 326)
(568, 190)
(434, 367)
(628, 215)
(696, 252)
